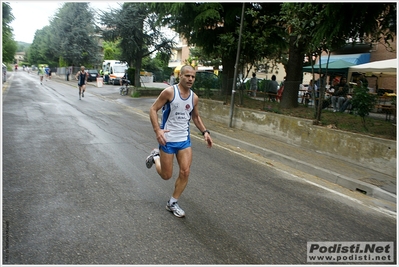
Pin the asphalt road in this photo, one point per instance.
(76, 191)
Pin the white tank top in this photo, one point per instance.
(176, 116)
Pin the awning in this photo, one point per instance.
(382, 67)
(338, 66)
(355, 59)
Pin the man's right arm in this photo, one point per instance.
(162, 99)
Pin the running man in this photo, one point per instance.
(47, 69)
(179, 106)
(41, 74)
(81, 76)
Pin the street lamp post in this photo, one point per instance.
(236, 67)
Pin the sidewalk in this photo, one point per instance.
(354, 177)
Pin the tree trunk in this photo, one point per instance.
(137, 67)
(294, 75)
(227, 78)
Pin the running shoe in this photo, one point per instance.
(175, 208)
(149, 161)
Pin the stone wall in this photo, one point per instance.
(375, 153)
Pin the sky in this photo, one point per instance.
(34, 15)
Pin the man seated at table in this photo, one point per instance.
(340, 94)
(308, 94)
(271, 89)
(347, 104)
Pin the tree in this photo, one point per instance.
(214, 28)
(73, 35)
(9, 45)
(111, 50)
(300, 20)
(210, 26)
(158, 66)
(69, 40)
(363, 102)
(38, 48)
(134, 27)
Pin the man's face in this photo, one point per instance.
(187, 77)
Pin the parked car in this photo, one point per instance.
(93, 74)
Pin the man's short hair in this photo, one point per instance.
(183, 69)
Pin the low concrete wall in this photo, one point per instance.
(148, 92)
(374, 153)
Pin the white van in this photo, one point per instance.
(115, 69)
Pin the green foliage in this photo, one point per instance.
(111, 50)
(158, 66)
(131, 72)
(22, 47)
(23, 63)
(62, 62)
(38, 49)
(71, 35)
(136, 94)
(206, 81)
(213, 28)
(135, 28)
(9, 46)
(206, 59)
(272, 108)
(262, 85)
(9, 49)
(363, 102)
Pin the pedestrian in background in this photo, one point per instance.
(254, 84)
(172, 79)
(179, 105)
(41, 72)
(47, 69)
(81, 76)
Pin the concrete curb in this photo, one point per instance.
(334, 177)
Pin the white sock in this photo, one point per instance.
(156, 157)
(172, 200)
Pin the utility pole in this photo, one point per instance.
(236, 67)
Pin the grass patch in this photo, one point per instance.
(136, 94)
(343, 121)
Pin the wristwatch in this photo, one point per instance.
(206, 131)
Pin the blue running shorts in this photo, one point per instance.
(174, 147)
